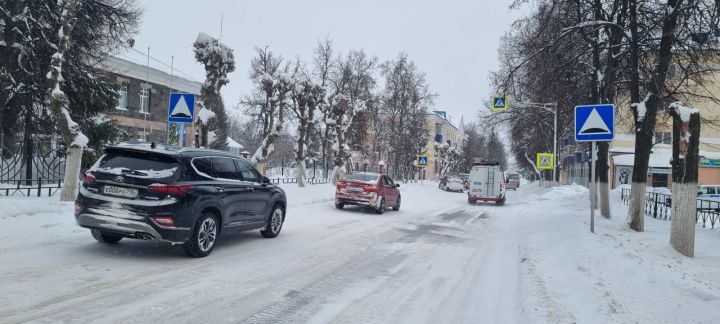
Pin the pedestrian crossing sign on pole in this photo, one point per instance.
(545, 161)
(499, 103)
(181, 108)
(595, 123)
(422, 161)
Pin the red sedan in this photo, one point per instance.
(371, 190)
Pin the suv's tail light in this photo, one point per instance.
(78, 208)
(164, 220)
(342, 185)
(172, 190)
(370, 188)
(88, 178)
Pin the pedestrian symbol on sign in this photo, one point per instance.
(422, 161)
(499, 103)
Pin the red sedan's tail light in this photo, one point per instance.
(172, 190)
(165, 220)
(88, 178)
(370, 188)
(342, 185)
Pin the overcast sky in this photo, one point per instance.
(454, 42)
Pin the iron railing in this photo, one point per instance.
(36, 188)
(659, 206)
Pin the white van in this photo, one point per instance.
(487, 183)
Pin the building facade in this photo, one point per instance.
(144, 97)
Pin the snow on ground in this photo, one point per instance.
(437, 260)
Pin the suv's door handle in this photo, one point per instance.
(249, 189)
(219, 189)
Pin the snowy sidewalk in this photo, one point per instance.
(616, 275)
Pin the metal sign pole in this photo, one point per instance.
(592, 188)
(555, 156)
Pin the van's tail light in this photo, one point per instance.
(370, 188)
(164, 220)
(78, 207)
(342, 185)
(88, 178)
(172, 190)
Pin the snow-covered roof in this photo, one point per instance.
(657, 159)
(133, 64)
(233, 144)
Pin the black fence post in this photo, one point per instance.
(655, 207)
(39, 186)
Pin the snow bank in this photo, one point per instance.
(565, 192)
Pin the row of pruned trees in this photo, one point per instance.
(334, 106)
(641, 55)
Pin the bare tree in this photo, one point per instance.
(218, 61)
(404, 107)
(306, 97)
(269, 102)
(686, 143)
(58, 102)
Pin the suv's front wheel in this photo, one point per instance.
(104, 237)
(203, 240)
(274, 223)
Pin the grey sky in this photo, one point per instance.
(454, 42)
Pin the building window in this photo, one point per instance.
(122, 96)
(663, 138)
(145, 100)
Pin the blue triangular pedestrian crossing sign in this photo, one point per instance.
(181, 108)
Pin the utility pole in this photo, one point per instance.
(147, 82)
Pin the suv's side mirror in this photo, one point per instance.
(397, 185)
(265, 180)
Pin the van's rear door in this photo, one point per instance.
(478, 181)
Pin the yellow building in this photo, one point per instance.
(659, 172)
(442, 132)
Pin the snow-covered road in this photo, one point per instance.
(438, 260)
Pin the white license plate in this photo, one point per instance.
(120, 191)
(354, 189)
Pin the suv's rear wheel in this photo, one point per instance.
(104, 237)
(274, 223)
(203, 240)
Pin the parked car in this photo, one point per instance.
(487, 183)
(180, 195)
(370, 190)
(513, 181)
(451, 183)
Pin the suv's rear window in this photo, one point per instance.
(362, 176)
(513, 176)
(137, 164)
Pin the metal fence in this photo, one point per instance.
(659, 206)
(33, 172)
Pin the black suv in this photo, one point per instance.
(180, 195)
